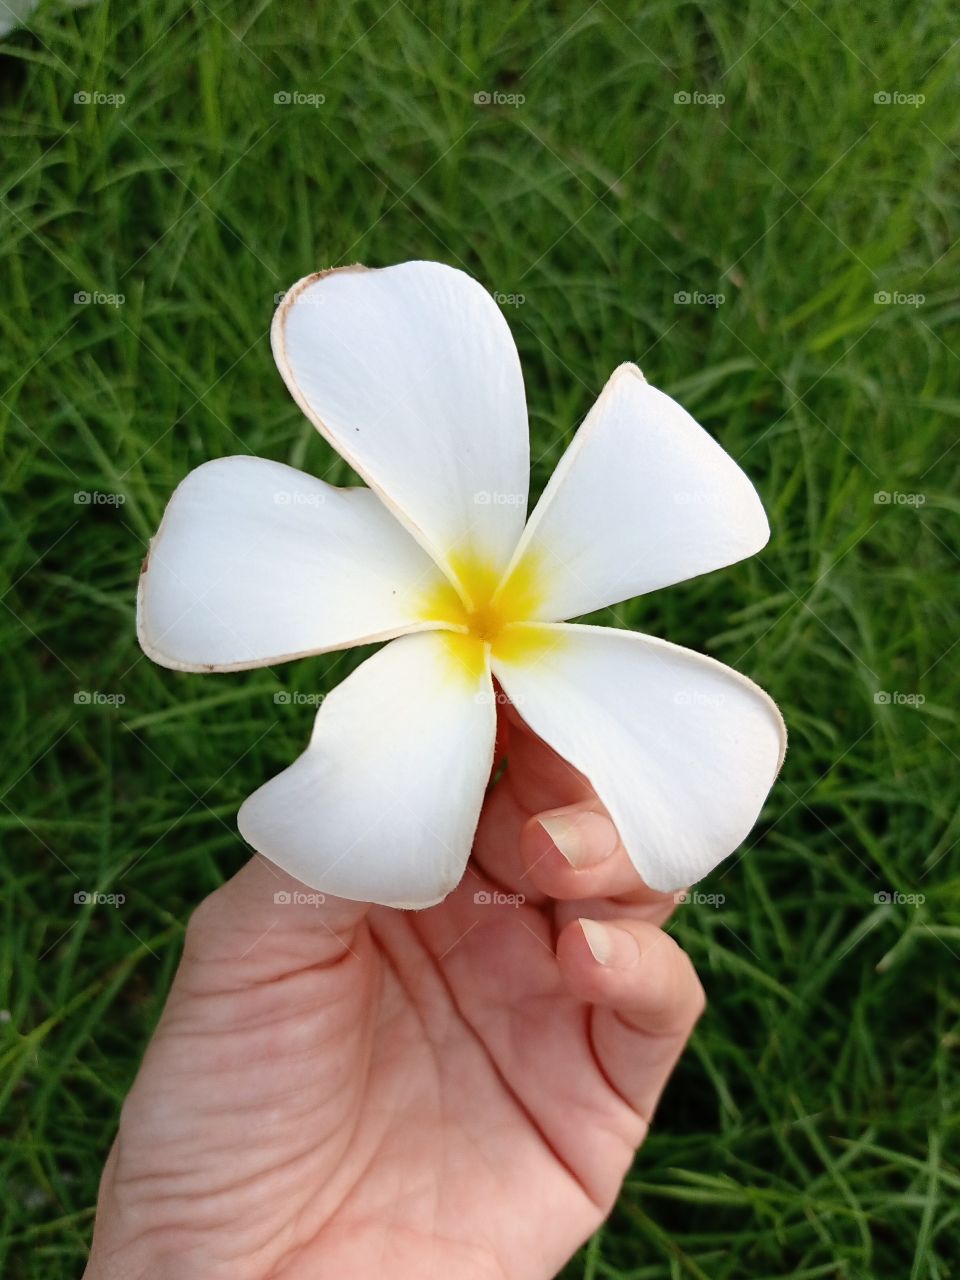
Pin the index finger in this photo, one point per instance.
(531, 777)
(548, 831)
(575, 852)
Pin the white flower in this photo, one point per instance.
(412, 375)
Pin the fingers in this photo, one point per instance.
(544, 833)
(535, 778)
(646, 999)
(575, 853)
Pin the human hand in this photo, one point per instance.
(344, 1090)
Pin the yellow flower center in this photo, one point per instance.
(481, 610)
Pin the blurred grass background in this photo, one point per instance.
(811, 1129)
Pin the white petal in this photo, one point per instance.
(255, 562)
(681, 749)
(383, 804)
(413, 376)
(642, 498)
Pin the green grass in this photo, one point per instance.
(811, 1130)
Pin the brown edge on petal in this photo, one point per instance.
(700, 658)
(289, 298)
(206, 668)
(567, 460)
(278, 346)
(704, 659)
(627, 369)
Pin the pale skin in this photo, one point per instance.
(343, 1090)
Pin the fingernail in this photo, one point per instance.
(583, 838)
(612, 947)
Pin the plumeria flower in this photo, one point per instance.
(411, 373)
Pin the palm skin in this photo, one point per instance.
(338, 1090)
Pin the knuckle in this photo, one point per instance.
(692, 998)
(201, 924)
(689, 996)
(698, 996)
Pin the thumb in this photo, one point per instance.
(264, 924)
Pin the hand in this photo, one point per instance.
(453, 1094)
